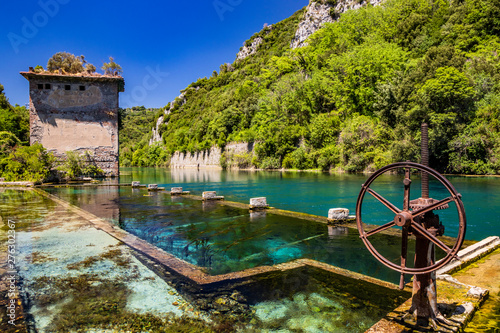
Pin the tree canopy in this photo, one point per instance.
(67, 62)
(70, 64)
(111, 67)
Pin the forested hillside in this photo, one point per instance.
(14, 124)
(354, 98)
(134, 125)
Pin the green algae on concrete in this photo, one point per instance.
(106, 286)
(485, 273)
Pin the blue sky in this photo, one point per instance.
(162, 46)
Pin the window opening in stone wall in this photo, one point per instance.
(82, 88)
(40, 86)
(47, 86)
(67, 87)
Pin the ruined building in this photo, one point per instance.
(76, 113)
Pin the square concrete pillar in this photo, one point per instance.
(258, 203)
(211, 195)
(336, 214)
(153, 187)
(176, 190)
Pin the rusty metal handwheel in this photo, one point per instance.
(405, 218)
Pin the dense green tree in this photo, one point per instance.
(111, 67)
(67, 62)
(13, 119)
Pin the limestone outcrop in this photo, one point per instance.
(156, 136)
(250, 49)
(320, 12)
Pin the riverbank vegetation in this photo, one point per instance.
(355, 97)
(21, 162)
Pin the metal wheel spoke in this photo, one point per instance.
(404, 254)
(379, 229)
(432, 207)
(384, 201)
(422, 231)
(405, 219)
(407, 182)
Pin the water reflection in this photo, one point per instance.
(334, 232)
(315, 192)
(225, 239)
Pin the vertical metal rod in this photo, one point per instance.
(425, 160)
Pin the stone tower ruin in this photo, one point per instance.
(76, 113)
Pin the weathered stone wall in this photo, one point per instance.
(76, 113)
(209, 158)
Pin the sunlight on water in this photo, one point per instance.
(224, 239)
(315, 193)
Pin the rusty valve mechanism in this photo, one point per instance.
(417, 218)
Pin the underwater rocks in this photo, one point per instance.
(307, 313)
(231, 305)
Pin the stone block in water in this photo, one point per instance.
(211, 195)
(256, 203)
(336, 214)
(152, 187)
(136, 184)
(176, 190)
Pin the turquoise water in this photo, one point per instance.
(315, 193)
(224, 239)
(68, 273)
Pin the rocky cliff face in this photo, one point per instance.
(249, 50)
(212, 157)
(315, 16)
(322, 11)
(156, 137)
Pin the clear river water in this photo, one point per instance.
(315, 192)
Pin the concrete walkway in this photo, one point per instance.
(485, 274)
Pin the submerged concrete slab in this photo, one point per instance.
(195, 273)
(17, 184)
(61, 256)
